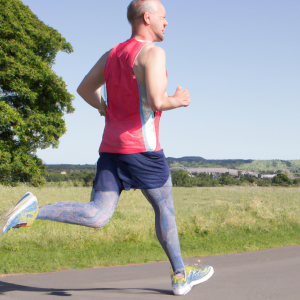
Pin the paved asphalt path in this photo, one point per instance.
(269, 274)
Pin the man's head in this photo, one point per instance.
(148, 16)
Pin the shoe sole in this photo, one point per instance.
(206, 277)
(26, 200)
(184, 291)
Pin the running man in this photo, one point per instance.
(134, 75)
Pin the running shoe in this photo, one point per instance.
(182, 283)
(22, 214)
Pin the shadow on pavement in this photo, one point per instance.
(10, 287)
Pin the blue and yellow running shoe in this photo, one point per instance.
(22, 214)
(182, 283)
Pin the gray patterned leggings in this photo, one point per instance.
(102, 206)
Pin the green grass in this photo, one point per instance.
(210, 221)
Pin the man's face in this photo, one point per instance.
(158, 22)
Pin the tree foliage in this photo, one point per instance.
(77, 178)
(33, 99)
(282, 179)
(180, 178)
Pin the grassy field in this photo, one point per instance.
(210, 221)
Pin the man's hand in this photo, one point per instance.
(182, 97)
(102, 110)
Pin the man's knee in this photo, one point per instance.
(102, 216)
(106, 203)
(101, 219)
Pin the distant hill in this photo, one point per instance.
(273, 166)
(200, 162)
(261, 166)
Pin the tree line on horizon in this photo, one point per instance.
(259, 166)
(181, 178)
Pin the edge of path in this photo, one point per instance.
(147, 263)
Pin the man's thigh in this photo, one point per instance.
(107, 178)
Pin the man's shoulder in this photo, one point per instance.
(155, 55)
(154, 49)
(106, 54)
(150, 50)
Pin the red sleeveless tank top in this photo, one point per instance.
(130, 124)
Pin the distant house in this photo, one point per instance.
(217, 172)
(268, 176)
(177, 169)
(64, 173)
(216, 175)
(212, 170)
(220, 171)
(254, 174)
(293, 177)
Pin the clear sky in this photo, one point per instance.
(239, 59)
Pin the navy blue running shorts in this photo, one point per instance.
(117, 172)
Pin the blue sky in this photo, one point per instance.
(239, 59)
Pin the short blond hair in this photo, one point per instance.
(137, 8)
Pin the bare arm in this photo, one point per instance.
(90, 87)
(156, 83)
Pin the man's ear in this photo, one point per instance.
(147, 18)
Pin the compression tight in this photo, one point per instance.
(102, 206)
(95, 213)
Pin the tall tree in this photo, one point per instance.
(33, 99)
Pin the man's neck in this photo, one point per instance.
(142, 35)
(142, 39)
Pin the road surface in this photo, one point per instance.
(269, 274)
